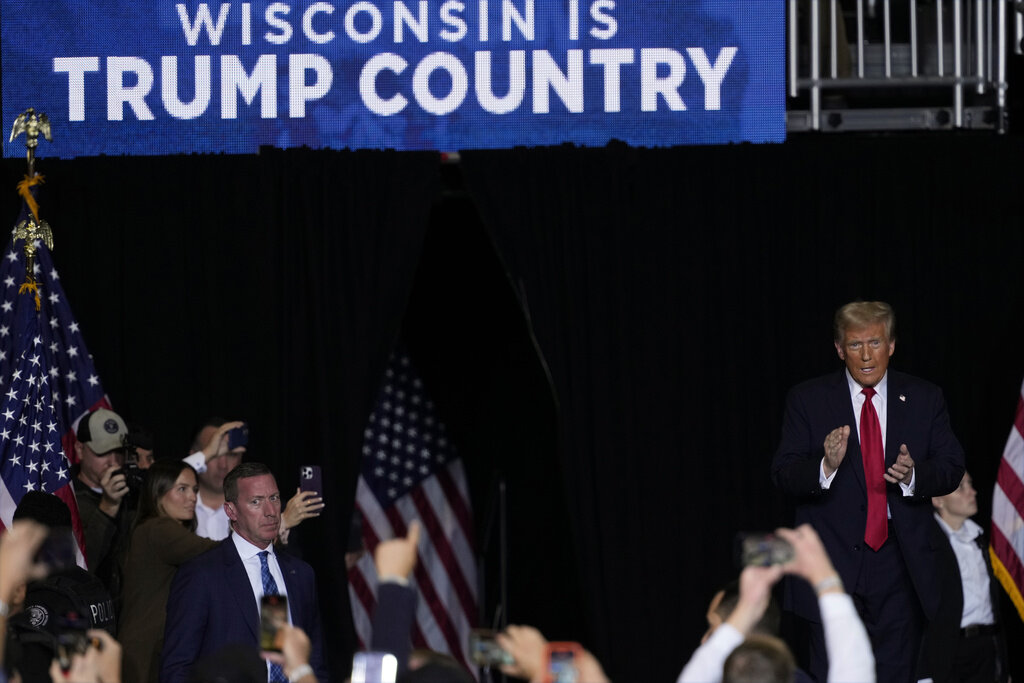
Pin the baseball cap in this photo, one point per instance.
(102, 431)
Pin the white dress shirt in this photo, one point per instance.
(212, 523)
(973, 572)
(880, 401)
(250, 555)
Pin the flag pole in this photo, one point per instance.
(32, 228)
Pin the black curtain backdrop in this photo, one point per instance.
(609, 331)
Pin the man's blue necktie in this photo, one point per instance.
(270, 588)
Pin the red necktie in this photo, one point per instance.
(877, 529)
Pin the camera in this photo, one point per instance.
(134, 476)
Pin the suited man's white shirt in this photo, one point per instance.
(250, 556)
(880, 401)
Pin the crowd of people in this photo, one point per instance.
(886, 567)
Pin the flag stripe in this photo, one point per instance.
(432, 565)
(440, 579)
(425, 631)
(456, 498)
(1007, 546)
(427, 590)
(363, 602)
(460, 543)
(444, 552)
(1011, 486)
(7, 504)
(1008, 522)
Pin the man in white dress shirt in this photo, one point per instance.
(964, 641)
(212, 460)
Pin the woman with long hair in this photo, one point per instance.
(164, 538)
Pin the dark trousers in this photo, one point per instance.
(887, 603)
(975, 659)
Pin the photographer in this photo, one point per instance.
(102, 490)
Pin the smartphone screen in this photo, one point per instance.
(561, 664)
(310, 479)
(485, 651)
(764, 550)
(374, 667)
(273, 615)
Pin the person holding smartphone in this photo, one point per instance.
(218, 448)
(163, 539)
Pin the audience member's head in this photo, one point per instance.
(45, 508)
(145, 445)
(100, 445)
(246, 470)
(211, 482)
(961, 504)
(252, 501)
(205, 432)
(759, 659)
(169, 492)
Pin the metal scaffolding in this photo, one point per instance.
(909, 65)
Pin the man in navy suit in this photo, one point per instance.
(870, 503)
(215, 598)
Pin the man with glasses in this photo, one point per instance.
(215, 598)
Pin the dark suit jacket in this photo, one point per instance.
(917, 417)
(942, 632)
(211, 605)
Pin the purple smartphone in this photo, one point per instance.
(310, 479)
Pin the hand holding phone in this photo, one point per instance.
(308, 501)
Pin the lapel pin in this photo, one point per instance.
(903, 398)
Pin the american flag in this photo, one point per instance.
(410, 470)
(1007, 546)
(47, 379)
